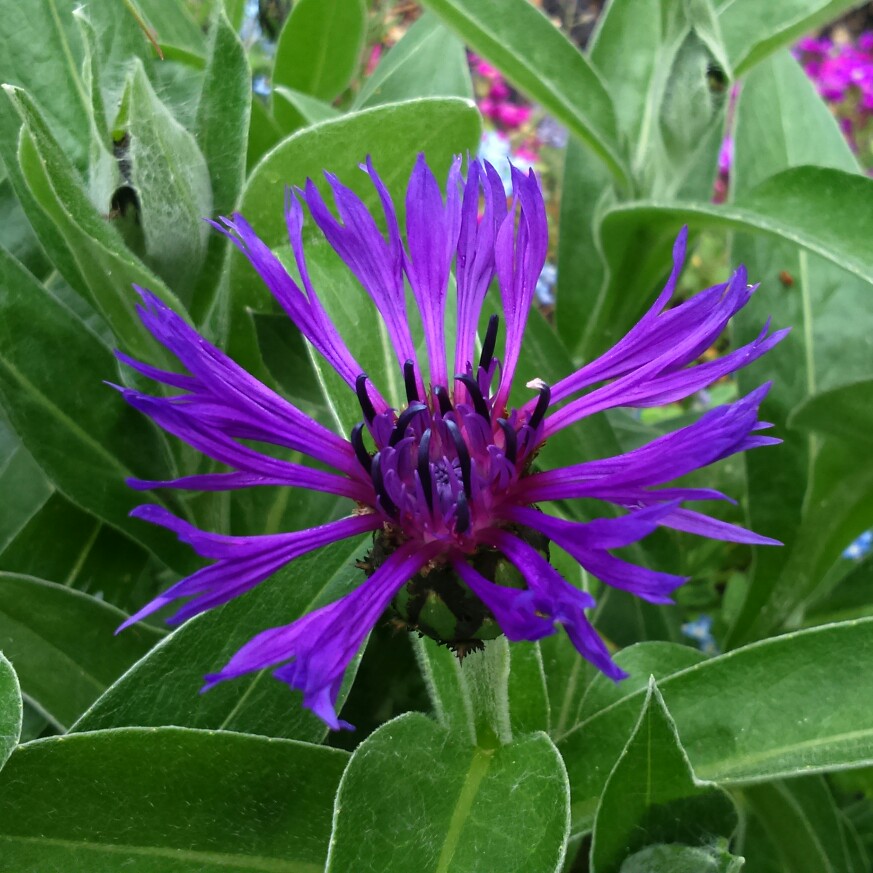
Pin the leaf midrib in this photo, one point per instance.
(219, 859)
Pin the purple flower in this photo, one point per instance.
(445, 482)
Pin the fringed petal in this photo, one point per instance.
(376, 263)
(558, 599)
(311, 321)
(717, 434)
(176, 419)
(520, 252)
(589, 549)
(431, 237)
(242, 562)
(230, 394)
(316, 649)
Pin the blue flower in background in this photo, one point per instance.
(700, 630)
(859, 547)
(495, 149)
(545, 289)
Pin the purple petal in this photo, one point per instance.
(475, 262)
(224, 386)
(651, 585)
(320, 645)
(313, 324)
(703, 317)
(702, 525)
(602, 533)
(558, 599)
(377, 264)
(515, 609)
(431, 236)
(174, 418)
(242, 562)
(648, 386)
(519, 255)
(717, 434)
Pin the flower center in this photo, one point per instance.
(439, 605)
(442, 467)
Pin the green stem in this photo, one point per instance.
(486, 676)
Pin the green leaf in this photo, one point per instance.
(808, 493)
(848, 598)
(284, 351)
(528, 695)
(320, 46)
(652, 796)
(16, 234)
(163, 688)
(682, 859)
(222, 134)
(469, 699)
(393, 136)
(295, 109)
(411, 785)
(10, 710)
(727, 740)
(568, 676)
(223, 113)
(658, 60)
(51, 74)
(101, 260)
(624, 49)
(803, 823)
(782, 122)
(62, 644)
(172, 184)
(22, 484)
(171, 799)
(753, 30)
(44, 236)
(845, 412)
(33, 723)
(640, 661)
(86, 555)
(235, 12)
(586, 191)
(429, 61)
(797, 206)
(82, 434)
(172, 23)
(104, 176)
(785, 123)
(264, 133)
(539, 60)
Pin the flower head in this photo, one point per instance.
(444, 481)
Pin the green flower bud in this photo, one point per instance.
(439, 605)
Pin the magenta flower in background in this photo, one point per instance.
(445, 482)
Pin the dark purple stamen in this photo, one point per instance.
(403, 422)
(541, 407)
(442, 397)
(357, 440)
(409, 382)
(511, 438)
(424, 467)
(364, 398)
(462, 514)
(379, 484)
(490, 341)
(463, 454)
(479, 403)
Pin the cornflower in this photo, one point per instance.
(446, 483)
